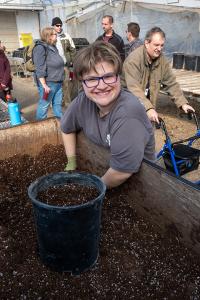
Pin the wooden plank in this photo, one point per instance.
(29, 138)
(164, 199)
(189, 81)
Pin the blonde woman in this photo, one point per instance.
(49, 74)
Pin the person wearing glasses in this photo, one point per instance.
(49, 74)
(108, 115)
(64, 44)
(67, 51)
(146, 69)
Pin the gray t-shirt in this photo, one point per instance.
(126, 130)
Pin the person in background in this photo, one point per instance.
(132, 34)
(108, 115)
(64, 44)
(111, 37)
(49, 74)
(67, 51)
(146, 68)
(5, 73)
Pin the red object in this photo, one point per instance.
(45, 95)
(71, 75)
(8, 97)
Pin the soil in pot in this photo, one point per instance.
(68, 194)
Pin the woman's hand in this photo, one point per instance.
(3, 85)
(46, 88)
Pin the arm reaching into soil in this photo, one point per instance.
(113, 178)
(69, 141)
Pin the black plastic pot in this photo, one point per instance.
(178, 60)
(198, 64)
(190, 62)
(68, 236)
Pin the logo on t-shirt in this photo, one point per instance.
(108, 139)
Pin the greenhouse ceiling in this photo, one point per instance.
(41, 4)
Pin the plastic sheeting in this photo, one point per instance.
(180, 25)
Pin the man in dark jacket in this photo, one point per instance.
(110, 36)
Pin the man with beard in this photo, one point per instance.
(111, 37)
(146, 69)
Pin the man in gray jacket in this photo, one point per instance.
(132, 34)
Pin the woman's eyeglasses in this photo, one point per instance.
(94, 81)
(58, 25)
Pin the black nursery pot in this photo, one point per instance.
(68, 236)
(190, 62)
(178, 60)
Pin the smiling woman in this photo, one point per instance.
(108, 115)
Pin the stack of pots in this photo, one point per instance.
(189, 62)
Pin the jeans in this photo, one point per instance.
(55, 97)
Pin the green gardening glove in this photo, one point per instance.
(71, 164)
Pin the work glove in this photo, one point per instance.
(71, 164)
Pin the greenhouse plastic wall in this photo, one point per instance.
(180, 25)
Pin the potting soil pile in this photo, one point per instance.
(135, 261)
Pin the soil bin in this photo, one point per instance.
(68, 235)
(198, 64)
(178, 60)
(190, 62)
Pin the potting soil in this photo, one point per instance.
(68, 194)
(135, 261)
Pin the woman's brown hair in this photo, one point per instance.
(87, 58)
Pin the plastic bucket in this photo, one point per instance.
(68, 236)
(198, 64)
(190, 62)
(178, 60)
